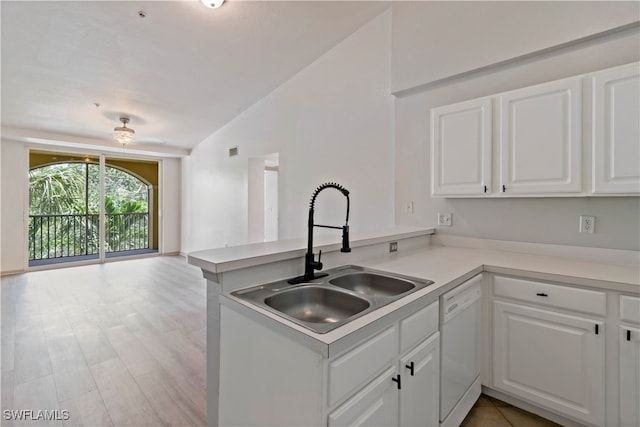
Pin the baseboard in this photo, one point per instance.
(11, 272)
(514, 401)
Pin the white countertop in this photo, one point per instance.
(444, 263)
(449, 266)
(237, 257)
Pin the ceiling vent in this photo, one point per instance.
(233, 151)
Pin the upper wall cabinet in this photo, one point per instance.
(616, 130)
(540, 139)
(461, 148)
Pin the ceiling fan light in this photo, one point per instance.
(213, 4)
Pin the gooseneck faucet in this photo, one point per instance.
(310, 264)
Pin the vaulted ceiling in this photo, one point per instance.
(180, 72)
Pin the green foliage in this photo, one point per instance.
(126, 206)
(125, 191)
(64, 189)
(57, 189)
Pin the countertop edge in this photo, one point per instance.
(340, 336)
(231, 258)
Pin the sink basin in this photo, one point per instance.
(372, 284)
(324, 304)
(317, 304)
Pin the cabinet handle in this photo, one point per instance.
(542, 294)
(628, 335)
(504, 188)
(396, 379)
(410, 367)
(485, 188)
(597, 329)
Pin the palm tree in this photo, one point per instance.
(63, 208)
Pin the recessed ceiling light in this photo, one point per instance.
(213, 4)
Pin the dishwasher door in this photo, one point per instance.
(460, 345)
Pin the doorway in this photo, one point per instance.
(262, 201)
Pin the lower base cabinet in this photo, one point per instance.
(391, 378)
(420, 393)
(375, 405)
(406, 395)
(629, 377)
(552, 359)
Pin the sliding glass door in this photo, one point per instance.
(89, 208)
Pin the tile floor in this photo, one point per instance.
(491, 412)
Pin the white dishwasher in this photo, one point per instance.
(460, 351)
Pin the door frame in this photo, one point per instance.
(102, 156)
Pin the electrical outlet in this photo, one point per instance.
(444, 219)
(587, 224)
(393, 247)
(409, 207)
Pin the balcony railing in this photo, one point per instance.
(61, 236)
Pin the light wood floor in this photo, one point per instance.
(116, 344)
(124, 344)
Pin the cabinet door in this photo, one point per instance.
(552, 359)
(540, 139)
(461, 149)
(616, 130)
(375, 405)
(629, 377)
(419, 397)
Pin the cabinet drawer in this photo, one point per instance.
(418, 326)
(549, 295)
(630, 309)
(355, 368)
(375, 405)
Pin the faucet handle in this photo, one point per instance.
(318, 265)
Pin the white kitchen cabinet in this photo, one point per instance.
(616, 130)
(461, 140)
(540, 139)
(406, 395)
(550, 358)
(537, 140)
(268, 377)
(375, 405)
(629, 376)
(419, 396)
(629, 349)
(355, 368)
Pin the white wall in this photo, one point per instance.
(14, 165)
(333, 121)
(532, 220)
(433, 40)
(171, 205)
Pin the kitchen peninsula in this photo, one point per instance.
(602, 283)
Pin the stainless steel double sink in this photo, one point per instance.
(324, 304)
